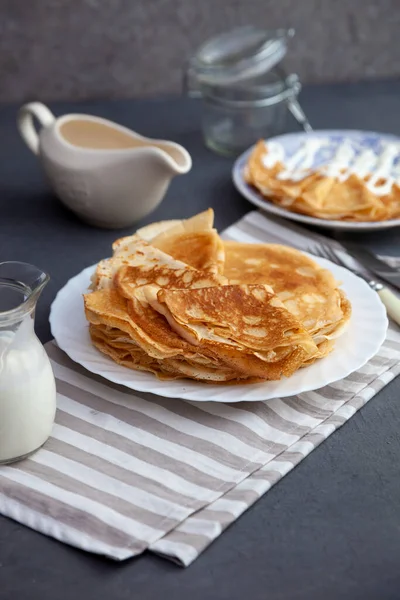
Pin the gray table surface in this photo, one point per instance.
(331, 528)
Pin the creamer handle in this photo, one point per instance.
(26, 126)
(392, 303)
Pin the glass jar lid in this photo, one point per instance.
(235, 56)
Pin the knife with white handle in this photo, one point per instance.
(389, 299)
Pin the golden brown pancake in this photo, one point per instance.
(202, 250)
(194, 242)
(308, 291)
(171, 276)
(201, 222)
(137, 253)
(153, 332)
(245, 325)
(194, 239)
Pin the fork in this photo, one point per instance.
(388, 298)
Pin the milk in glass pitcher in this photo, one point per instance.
(27, 386)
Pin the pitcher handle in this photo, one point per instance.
(26, 126)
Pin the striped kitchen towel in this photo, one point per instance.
(124, 472)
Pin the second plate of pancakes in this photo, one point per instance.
(364, 140)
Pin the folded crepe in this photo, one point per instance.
(247, 326)
(192, 241)
(307, 290)
(195, 242)
(170, 274)
(201, 222)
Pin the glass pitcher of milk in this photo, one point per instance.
(27, 386)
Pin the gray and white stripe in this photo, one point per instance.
(123, 473)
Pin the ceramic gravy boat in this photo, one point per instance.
(107, 174)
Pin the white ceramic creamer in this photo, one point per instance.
(107, 174)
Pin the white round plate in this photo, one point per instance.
(290, 142)
(360, 342)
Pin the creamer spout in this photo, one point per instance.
(176, 157)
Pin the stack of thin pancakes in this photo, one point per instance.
(177, 301)
(319, 195)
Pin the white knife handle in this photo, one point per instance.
(391, 302)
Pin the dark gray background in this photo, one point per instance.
(331, 528)
(70, 49)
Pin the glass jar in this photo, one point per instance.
(245, 94)
(235, 118)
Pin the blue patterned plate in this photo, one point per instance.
(361, 140)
